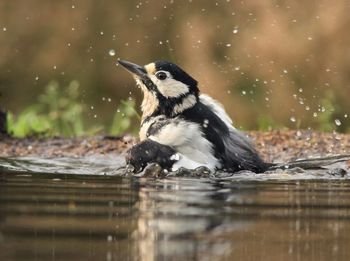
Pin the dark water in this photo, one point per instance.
(105, 217)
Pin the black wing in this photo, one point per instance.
(231, 146)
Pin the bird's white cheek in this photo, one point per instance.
(170, 87)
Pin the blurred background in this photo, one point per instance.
(271, 63)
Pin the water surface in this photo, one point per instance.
(57, 216)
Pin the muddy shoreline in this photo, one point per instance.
(274, 146)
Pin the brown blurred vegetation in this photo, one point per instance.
(269, 62)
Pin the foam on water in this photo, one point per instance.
(90, 165)
(335, 167)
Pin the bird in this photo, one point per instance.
(184, 128)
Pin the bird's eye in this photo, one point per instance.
(161, 75)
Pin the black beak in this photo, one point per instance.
(134, 68)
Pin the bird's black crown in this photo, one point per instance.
(176, 72)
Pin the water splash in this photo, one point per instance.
(332, 167)
(111, 52)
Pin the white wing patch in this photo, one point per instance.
(217, 108)
(188, 140)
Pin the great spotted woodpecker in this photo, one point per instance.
(182, 128)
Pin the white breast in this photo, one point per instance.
(146, 124)
(189, 141)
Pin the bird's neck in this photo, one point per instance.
(170, 107)
(149, 105)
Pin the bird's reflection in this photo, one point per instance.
(176, 216)
(184, 219)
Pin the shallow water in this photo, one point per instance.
(48, 211)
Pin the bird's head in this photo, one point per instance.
(167, 88)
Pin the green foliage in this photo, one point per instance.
(59, 112)
(29, 122)
(123, 118)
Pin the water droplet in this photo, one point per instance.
(314, 114)
(309, 38)
(95, 116)
(337, 122)
(244, 92)
(4, 29)
(228, 45)
(175, 157)
(205, 123)
(37, 78)
(73, 6)
(101, 33)
(235, 31)
(307, 108)
(111, 52)
(285, 71)
(345, 115)
(92, 107)
(293, 119)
